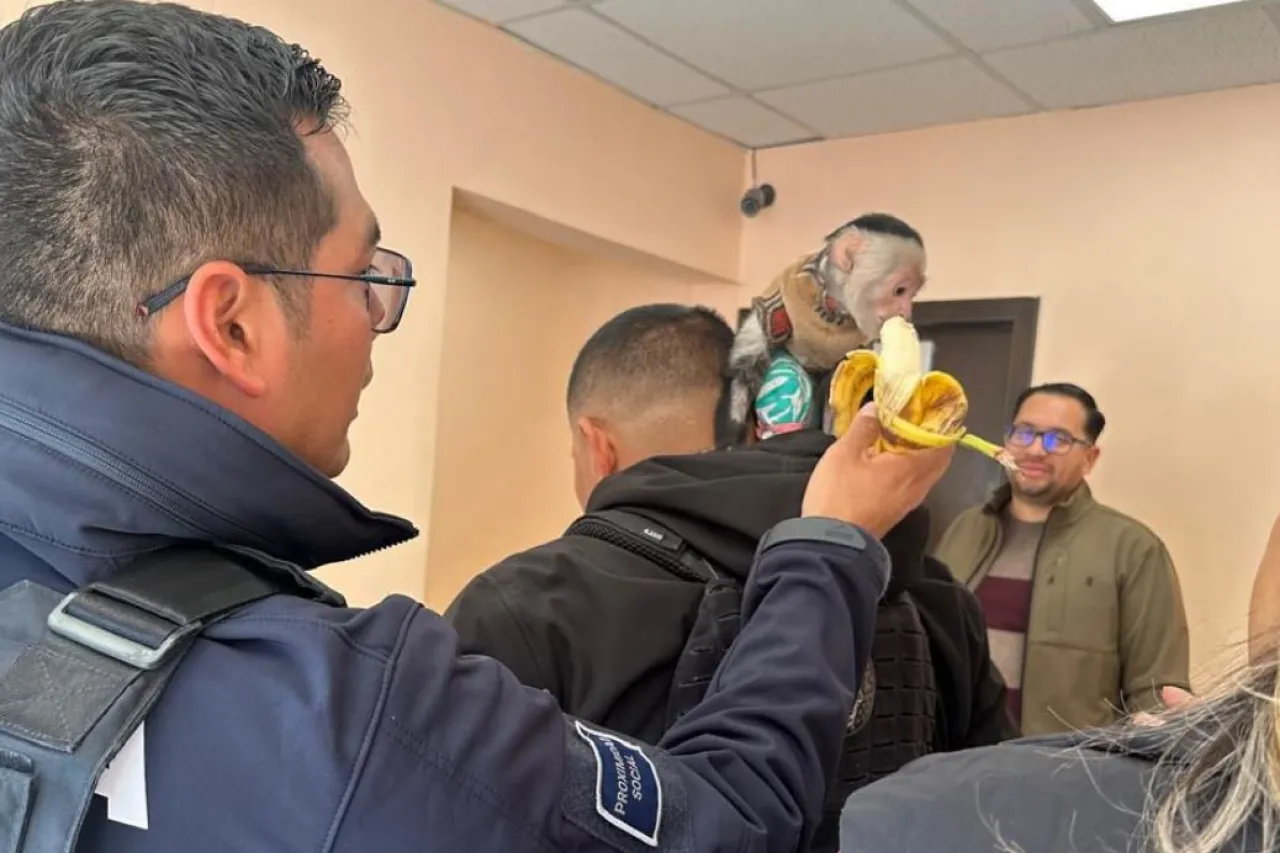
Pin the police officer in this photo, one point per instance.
(191, 288)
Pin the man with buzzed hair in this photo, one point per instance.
(609, 618)
(646, 382)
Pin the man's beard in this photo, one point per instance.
(1044, 495)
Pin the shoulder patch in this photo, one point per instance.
(628, 791)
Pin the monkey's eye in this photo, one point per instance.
(900, 290)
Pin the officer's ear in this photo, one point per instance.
(601, 446)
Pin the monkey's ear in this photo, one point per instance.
(844, 249)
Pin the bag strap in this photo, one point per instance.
(92, 665)
(719, 616)
(645, 538)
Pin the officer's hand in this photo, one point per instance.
(875, 491)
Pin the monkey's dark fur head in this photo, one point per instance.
(879, 223)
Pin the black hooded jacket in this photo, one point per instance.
(601, 628)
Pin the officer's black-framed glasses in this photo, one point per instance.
(389, 277)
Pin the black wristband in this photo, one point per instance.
(814, 530)
(831, 532)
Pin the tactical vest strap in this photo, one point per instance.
(719, 616)
(645, 538)
(85, 670)
(717, 625)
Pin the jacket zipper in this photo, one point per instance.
(50, 436)
(988, 557)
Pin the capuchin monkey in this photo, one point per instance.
(817, 310)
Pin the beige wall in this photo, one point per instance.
(517, 309)
(1149, 232)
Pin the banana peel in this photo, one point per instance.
(916, 410)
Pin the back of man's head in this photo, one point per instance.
(138, 141)
(646, 383)
(650, 357)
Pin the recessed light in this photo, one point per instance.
(1120, 11)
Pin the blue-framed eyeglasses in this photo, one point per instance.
(1055, 441)
(389, 277)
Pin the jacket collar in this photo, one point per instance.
(101, 462)
(1068, 510)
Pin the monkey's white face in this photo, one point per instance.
(875, 277)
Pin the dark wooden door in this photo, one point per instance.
(987, 344)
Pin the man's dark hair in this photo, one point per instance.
(1094, 421)
(650, 353)
(140, 140)
(880, 223)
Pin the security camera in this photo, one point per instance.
(757, 199)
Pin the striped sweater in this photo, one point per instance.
(1005, 596)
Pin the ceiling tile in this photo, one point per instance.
(762, 44)
(942, 92)
(498, 11)
(993, 24)
(744, 121)
(606, 51)
(1134, 62)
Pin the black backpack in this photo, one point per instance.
(868, 753)
(88, 668)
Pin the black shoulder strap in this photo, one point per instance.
(719, 616)
(88, 668)
(645, 538)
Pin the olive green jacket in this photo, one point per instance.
(1107, 626)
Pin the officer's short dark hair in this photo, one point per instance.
(1094, 420)
(140, 140)
(650, 354)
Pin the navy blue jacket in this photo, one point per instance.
(298, 726)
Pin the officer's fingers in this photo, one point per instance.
(920, 470)
(863, 431)
(934, 462)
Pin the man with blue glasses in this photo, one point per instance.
(1084, 615)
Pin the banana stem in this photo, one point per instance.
(981, 445)
(986, 448)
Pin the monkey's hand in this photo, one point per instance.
(916, 410)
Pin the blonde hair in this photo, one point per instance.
(1222, 783)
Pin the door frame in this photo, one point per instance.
(1022, 313)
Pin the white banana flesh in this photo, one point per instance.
(899, 372)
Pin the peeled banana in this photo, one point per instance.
(916, 410)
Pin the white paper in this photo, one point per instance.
(124, 782)
(926, 356)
